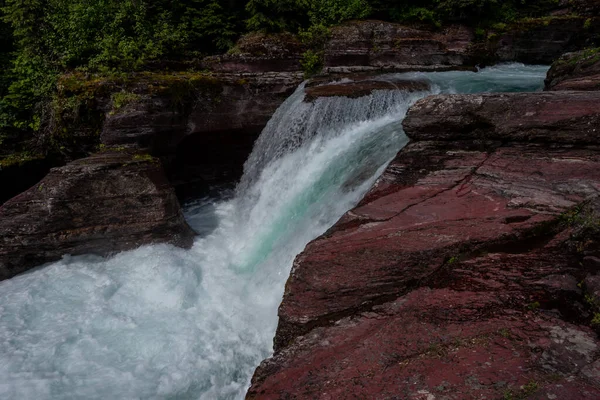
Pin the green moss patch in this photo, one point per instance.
(123, 99)
(17, 159)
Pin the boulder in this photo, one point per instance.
(558, 117)
(102, 204)
(575, 71)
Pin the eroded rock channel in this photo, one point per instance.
(467, 266)
(462, 272)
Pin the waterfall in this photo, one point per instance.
(296, 122)
(165, 323)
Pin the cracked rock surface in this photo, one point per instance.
(459, 275)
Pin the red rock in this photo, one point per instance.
(363, 87)
(456, 276)
(384, 45)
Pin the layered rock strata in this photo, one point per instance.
(364, 45)
(384, 46)
(362, 86)
(458, 275)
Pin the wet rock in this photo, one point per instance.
(362, 88)
(575, 71)
(558, 117)
(103, 204)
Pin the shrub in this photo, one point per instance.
(312, 62)
(315, 36)
(417, 14)
(331, 12)
(122, 99)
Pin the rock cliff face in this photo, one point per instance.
(543, 40)
(103, 204)
(380, 45)
(377, 45)
(457, 276)
(203, 126)
(169, 107)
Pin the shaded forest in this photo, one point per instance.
(41, 39)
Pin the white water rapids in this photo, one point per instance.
(165, 323)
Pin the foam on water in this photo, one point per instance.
(165, 323)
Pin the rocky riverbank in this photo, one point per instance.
(469, 270)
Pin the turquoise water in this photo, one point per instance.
(165, 323)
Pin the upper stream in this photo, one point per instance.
(165, 323)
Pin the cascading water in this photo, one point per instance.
(165, 323)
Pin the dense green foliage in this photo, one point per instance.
(41, 39)
(107, 36)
